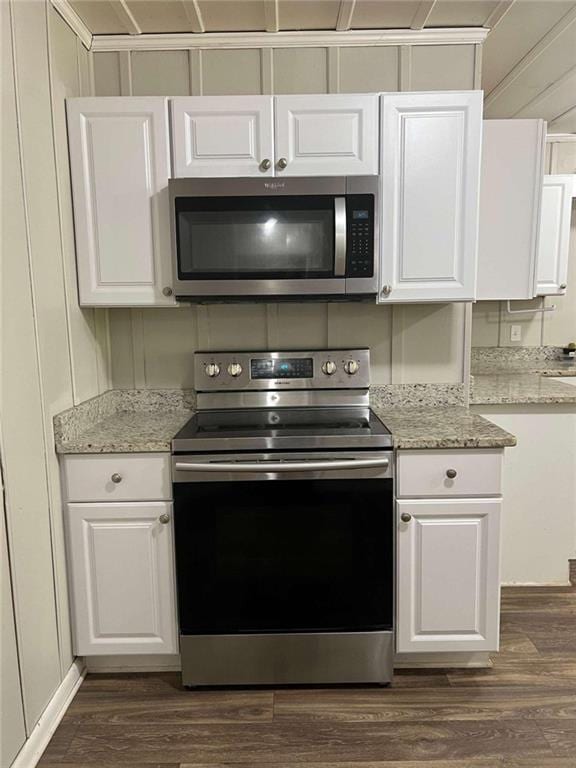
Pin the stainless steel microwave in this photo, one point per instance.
(273, 239)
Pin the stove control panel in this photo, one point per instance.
(319, 369)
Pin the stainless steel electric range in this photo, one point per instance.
(283, 497)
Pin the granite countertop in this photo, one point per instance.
(139, 421)
(519, 388)
(124, 421)
(441, 427)
(543, 367)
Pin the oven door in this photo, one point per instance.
(259, 245)
(311, 552)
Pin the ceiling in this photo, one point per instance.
(528, 62)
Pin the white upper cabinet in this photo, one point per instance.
(326, 135)
(222, 136)
(554, 237)
(120, 160)
(448, 575)
(510, 197)
(122, 578)
(430, 166)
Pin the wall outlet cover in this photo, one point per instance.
(515, 333)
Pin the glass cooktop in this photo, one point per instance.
(297, 428)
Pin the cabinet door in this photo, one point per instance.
(122, 578)
(448, 575)
(327, 135)
(119, 157)
(430, 162)
(222, 136)
(510, 195)
(554, 239)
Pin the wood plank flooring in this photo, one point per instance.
(519, 714)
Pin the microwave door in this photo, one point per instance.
(287, 246)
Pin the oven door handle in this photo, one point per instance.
(279, 466)
(339, 237)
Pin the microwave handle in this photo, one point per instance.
(339, 237)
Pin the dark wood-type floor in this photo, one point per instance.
(519, 714)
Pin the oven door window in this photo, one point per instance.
(284, 556)
(255, 237)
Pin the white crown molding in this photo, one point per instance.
(307, 39)
(560, 137)
(44, 729)
(74, 21)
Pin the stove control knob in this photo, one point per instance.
(212, 369)
(234, 369)
(329, 367)
(351, 367)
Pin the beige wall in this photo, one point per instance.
(53, 354)
(153, 348)
(491, 323)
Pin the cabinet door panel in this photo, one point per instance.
(327, 135)
(222, 135)
(448, 575)
(119, 157)
(122, 578)
(554, 238)
(430, 158)
(510, 195)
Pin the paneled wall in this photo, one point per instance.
(153, 348)
(491, 323)
(53, 353)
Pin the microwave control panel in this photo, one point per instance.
(360, 235)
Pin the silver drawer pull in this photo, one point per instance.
(405, 517)
(451, 473)
(279, 466)
(116, 478)
(164, 518)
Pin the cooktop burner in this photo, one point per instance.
(299, 428)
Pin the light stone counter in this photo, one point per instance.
(139, 421)
(519, 388)
(441, 427)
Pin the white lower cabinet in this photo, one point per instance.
(121, 566)
(448, 575)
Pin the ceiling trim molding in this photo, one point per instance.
(498, 14)
(126, 17)
(532, 55)
(561, 137)
(345, 13)
(563, 115)
(307, 39)
(194, 15)
(547, 92)
(422, 14)
(271, 15)
(74, 22)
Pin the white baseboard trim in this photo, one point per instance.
(133, 663)
(447, 660)
(535, 584)
(39, 739)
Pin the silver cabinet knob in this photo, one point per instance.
(167, 291)
(282, 163)
(116, 478)
(329, 367)
(164, 518)
(451, 474)
(386, 290)
(351, 367)
(405, 517)
(234, 369)
(563, 286)
(266, 164)
(212, 369)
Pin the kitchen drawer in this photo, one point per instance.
(140, 477)
(426, 473)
